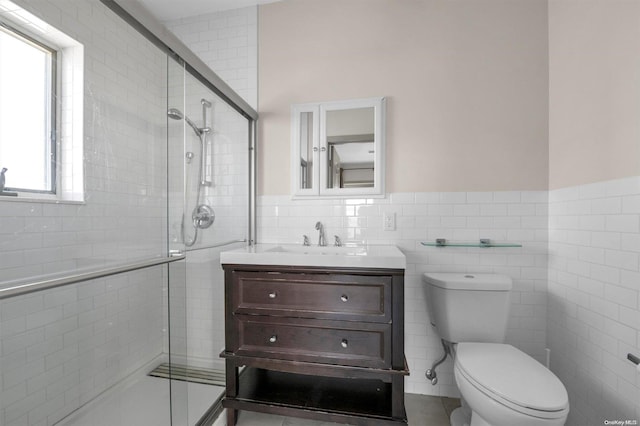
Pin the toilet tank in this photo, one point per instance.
(469, 307)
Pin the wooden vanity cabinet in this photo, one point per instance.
(318, 343)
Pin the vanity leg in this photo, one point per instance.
(397, 398)
(232, 417)
(231, 390)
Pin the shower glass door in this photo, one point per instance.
(208, 213)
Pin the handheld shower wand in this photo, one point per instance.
(203, 215)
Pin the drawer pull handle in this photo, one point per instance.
(273, 338)
(272, 295)
(344, 343)
(344, 297)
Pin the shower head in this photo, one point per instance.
(176, 114)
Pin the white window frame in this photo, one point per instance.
(68, 104)
(49, 146)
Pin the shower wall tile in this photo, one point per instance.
(226, 168)
(594, 297)
(200, 342)
(519, 217)
(62, 347)
(227, 42)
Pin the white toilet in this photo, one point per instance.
(499, 384)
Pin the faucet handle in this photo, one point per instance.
(305, 241)
(338, 241)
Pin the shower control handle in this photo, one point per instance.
(203, 216)
(273, 339)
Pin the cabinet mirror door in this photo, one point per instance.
(346, 156)
(305, 131)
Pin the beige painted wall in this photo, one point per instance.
(594, 76)
(466, 85)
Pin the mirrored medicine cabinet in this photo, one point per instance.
(338, 148)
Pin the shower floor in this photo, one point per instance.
(145, 402)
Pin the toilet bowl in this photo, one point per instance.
(499, 384)
(504, 386)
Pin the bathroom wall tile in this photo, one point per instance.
(431, 197)
(480, 197)
(402, 198)
(593, 302)
(622, 223)
(521, 210)
(496, 209)
(507, 197)
(466, 210)
(227, 42)
(453, 197)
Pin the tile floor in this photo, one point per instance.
(422, 410)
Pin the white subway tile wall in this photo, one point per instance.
(227, 42)
(227, 167)
(62, 347)
(198, 337)
(518, 217)
(594, 301)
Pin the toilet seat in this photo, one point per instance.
(512, 378)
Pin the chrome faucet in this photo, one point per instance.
(321, 240)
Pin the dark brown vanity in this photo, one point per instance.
(324, 343)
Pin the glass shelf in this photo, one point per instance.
(482, 243)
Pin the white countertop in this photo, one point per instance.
(371, 256)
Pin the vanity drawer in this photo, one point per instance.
(329, 296)
(326, 342)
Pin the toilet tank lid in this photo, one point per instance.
(469, 281)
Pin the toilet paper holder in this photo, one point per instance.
(634, 359)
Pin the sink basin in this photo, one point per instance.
(382, 256)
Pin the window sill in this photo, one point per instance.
(31, 199)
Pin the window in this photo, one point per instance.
(27, 112)
(41, 109)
